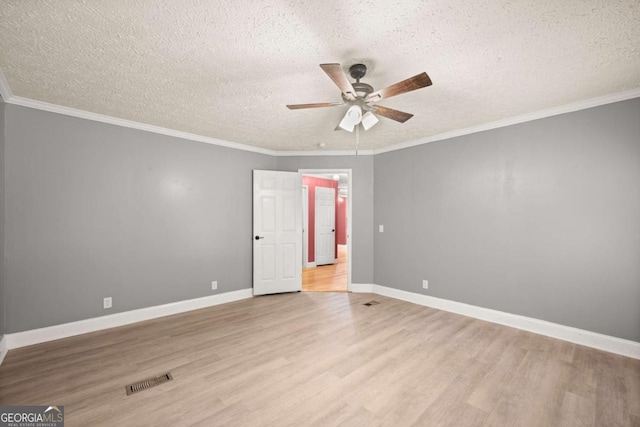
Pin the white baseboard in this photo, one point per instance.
(50, 333)
(567, 333)
(4, 348)
(310, 264)
(365, 288)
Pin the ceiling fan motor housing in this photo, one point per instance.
(362, 90)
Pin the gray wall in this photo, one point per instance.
(362, 203)
(540, 219)
(96, 210)
(2, 304)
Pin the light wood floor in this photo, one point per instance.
(327, 278)
(325, 359)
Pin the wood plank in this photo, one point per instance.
(324, 359)
(327, 278)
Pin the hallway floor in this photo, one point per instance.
(327, 278)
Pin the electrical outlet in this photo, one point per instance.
(425, 284)
(214, 285)
(107, 303)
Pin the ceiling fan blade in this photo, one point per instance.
(416, 82)
(390, 113)
(335, 72)
(317, 105)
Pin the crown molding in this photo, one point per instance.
(555, 111)
(5, 90)
(73, 112)
(8, 97)
(324, 153)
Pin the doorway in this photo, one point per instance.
(327, 230)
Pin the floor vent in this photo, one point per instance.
(148, 383)
(370, 303)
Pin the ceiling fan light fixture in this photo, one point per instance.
(351, 119)
(369, 120)
(361, 96)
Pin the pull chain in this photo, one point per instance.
(357, 137)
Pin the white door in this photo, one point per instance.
(277, 232)
(325, 225)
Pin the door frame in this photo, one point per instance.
(305, 226)
(349, 173)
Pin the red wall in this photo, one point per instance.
(341, 223)
(313, 182)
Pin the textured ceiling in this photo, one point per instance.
(227, 69)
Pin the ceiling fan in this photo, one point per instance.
(361, 97)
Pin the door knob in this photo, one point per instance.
(259, 237)
(333, 230)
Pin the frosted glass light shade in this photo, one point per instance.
(369, 120)
(351, 119)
